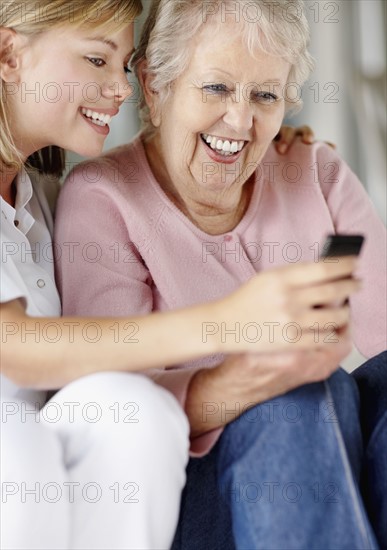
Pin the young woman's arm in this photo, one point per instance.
(48, 352)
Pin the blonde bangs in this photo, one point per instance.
(36, 17)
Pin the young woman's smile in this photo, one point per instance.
(99, 119)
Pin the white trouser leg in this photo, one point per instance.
(125, 448)
(32, 471)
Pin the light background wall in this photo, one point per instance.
(345, 98)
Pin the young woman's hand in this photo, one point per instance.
(291, 308)
(288, 135)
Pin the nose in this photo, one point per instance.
(239, 115)
(118, 89)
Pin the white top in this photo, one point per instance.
(27, 267)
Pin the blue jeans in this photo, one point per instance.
(372, 385)
(286, 474)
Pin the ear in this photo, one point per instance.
(10, 47)
(151, 97)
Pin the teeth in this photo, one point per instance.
(98, 118)
(224, 147)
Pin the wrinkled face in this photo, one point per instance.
(222, 113)
(71, 83)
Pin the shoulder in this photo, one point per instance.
(115, 186)
(118, 173)
(301, 154)
(111, 167)
(310, 166)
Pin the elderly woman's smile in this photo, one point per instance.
(218, 120)
(223, 147)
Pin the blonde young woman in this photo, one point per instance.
(199, 202)
(102, 464)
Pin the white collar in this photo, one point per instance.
(24, 189)
(24, 193)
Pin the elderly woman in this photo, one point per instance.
(197, 204)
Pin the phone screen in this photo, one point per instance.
(342, 245)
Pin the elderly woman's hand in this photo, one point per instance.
(288, 135)
(218, 396)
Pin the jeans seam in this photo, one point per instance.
(348, 474)
(376, 432)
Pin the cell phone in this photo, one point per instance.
(342, 245)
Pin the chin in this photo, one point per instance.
(87, 150)
(221, 180)
(217, 185)
(95, 152)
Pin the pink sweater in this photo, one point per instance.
(126, 249)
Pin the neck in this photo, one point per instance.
(214, 212)
(9, 173)
(214, 215)
(7, 184)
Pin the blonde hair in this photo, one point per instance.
(279, 28)
(32, 18)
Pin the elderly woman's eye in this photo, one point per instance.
(215, 88)
(265, 97)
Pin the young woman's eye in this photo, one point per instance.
(215, 88)
(127, 69)
(265, 97)
(97, 61)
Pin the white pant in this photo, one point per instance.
(102, 465)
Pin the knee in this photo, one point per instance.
(113, 406)
(288, 409)
(302, 409)
(160, 416)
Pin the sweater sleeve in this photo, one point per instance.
(99, 269)
(352, 212)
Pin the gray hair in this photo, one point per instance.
(279, 28)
